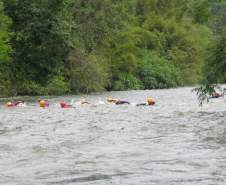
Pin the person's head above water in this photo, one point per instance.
(112, 100)
(10, 104)
(109, 99)
(150, 100)
(43, 103)
(84, 101)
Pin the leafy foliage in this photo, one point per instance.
(216, 66)
(5, 47)
(203, 92)
(5, 51)
(159, 73)
(77, 46)
(127, 81)
(86, 76)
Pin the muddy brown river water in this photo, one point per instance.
(175, 142)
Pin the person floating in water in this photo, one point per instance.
(150, 102)
(83, 101)
(217, 95)
(112, 100)
(10, 104)
(20, 104)
(65, 105)
(43, 103)
(16, 104)
(117, 101)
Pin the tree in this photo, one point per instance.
(95, 20)
(5, 47)
(201, 11)
(40, 42)
(5, 52)
(216, 67)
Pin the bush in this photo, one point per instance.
(5, 83)
(158, 72)
(126, 82)
(27, 88)
(86, 73)
(57, 86)
(216, 61)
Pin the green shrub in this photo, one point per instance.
(57, 86)
(5, 83)
(126, 82)
(158, 72)
(86, 73)
(21, 88)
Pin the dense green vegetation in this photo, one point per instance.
(215, 66)
(77, 46)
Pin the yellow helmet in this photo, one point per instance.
(42, 103)
(109, 99)
(83, 101)
(9, 104)
(150, 98)
(150, 101)
(112, 100)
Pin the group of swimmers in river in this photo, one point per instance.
(44, 103)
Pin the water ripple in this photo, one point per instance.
(174, 143)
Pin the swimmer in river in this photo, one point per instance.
(43, 103)
(150, 102)
(112, 100)
(20, 104)
(217, 95)
(16, 104)
(83, 101)
(117, 101)
(65, 105)
(10, 104)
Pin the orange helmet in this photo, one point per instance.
(10, 104)
(42, 103)
(112, 100)
(150, 101)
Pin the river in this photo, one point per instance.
(175, 142)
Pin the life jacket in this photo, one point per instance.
(65, 105)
